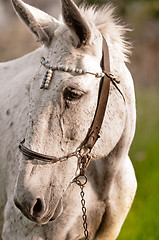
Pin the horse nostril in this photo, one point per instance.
(17, 204)
(38, 208)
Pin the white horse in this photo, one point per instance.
(55, 121)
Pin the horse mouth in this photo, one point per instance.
(57, 211)
(49, 216)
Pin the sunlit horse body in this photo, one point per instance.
(56, 121)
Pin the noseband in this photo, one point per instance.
(83, 151)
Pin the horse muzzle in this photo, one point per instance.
(37, 210)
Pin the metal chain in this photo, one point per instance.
(84, 216)
(81, 181)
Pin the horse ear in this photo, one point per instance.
(76, 23)
(39, 22)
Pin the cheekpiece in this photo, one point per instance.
(49, 73)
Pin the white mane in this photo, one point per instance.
(109, 26)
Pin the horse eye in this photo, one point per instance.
(72, 94)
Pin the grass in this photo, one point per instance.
(142, 222)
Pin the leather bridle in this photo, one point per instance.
(83, 151)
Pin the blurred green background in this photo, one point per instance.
(142, 16)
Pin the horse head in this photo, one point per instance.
(61, 110)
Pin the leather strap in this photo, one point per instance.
(30, 154)
(93, 132)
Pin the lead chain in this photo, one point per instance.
(83, 203)
(84, 216)
(81, 181)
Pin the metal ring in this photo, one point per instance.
(82, 181)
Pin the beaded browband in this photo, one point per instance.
(49, 73)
